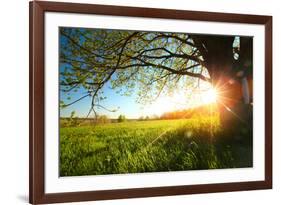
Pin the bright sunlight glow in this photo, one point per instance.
(180, 101)
(209, 96)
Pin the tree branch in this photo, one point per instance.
(76, 100)
(197, 75)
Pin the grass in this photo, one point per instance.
(150, 146)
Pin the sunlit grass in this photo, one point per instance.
(147, 146)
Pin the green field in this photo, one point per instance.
(150, 146)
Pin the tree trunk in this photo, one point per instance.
(229, 77)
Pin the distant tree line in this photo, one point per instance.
(204, 110)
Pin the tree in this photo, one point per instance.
(121, 118)
(230, 68)
(141, 118)
(157, 62)
(102, 119)
(73, 120)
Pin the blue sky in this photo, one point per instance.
(127, 105)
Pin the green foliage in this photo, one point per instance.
(121, 118)
(151, 62)
(150, 146)
(62, 104)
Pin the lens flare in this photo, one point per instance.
(209, 96)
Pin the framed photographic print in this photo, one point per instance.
(139, 102)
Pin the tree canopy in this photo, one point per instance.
(151, 62)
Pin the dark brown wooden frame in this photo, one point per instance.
(36, 106)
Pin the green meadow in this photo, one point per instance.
(151, 146)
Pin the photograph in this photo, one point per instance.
(153, 101)
(133, 102)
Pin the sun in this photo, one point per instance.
(209, 96)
